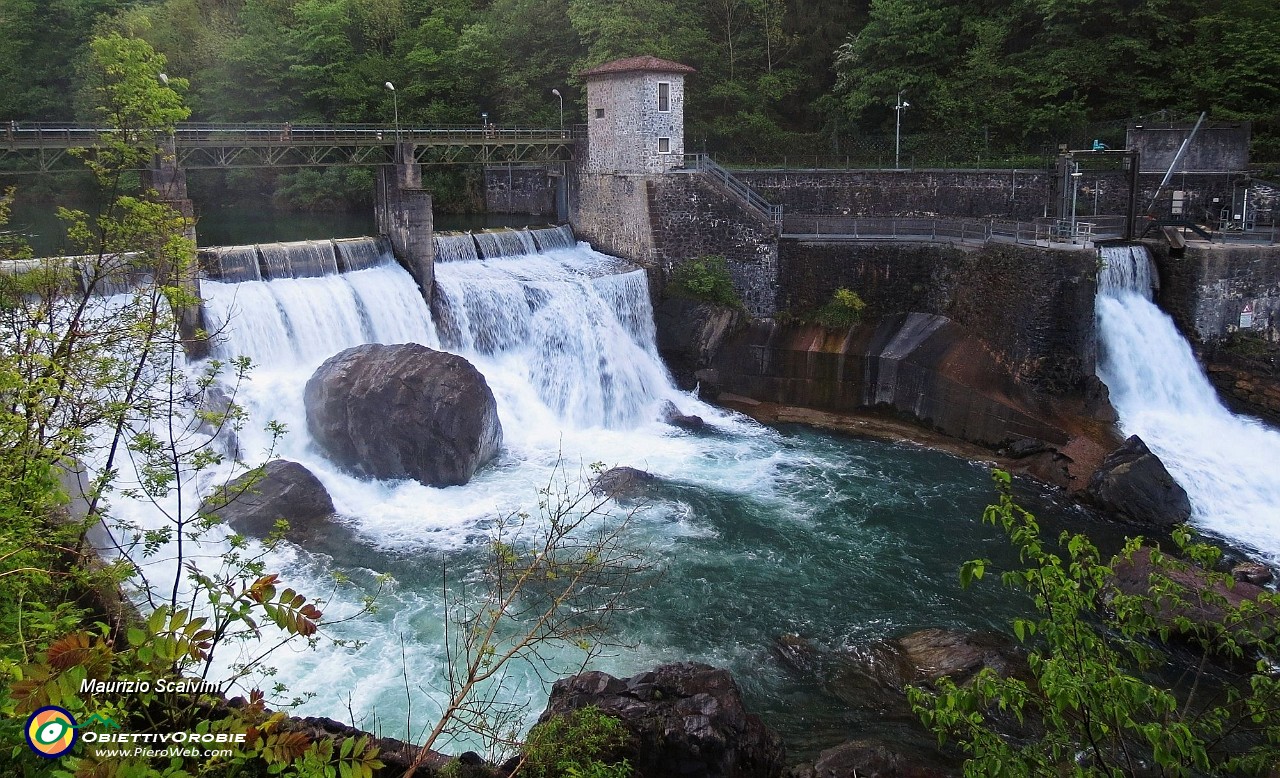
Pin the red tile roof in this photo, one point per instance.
(637, 64)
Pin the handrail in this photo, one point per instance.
(38, 135)
(938, 229)
(704, 163)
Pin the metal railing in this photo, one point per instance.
(1048, 233)
(702, 163)
(28, 135)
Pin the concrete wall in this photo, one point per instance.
(690, 217)
(1032, 307)
(403, 212)
(625, 138)
(527, 189)
(1208, 289)
(1220, 148)
(611, 212)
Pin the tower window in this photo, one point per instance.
(664, 96)
(664, 145)
(599, 113)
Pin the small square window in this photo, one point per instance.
(664, 145)
(664, 96)
(599, 113)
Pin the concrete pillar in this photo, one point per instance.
(403, 211)
(169, 182)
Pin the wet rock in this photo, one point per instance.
(622, 482)
(672, 415)
(930, 654)
(216, 400)
(253, 503)
(403, 411)
(1205, 601)
(1133, 483)
(1025, 447)
(691, 333)
(870, 759)
(1097, 401)
(684, 719)
(1255, 573)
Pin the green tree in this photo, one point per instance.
(1096, 701)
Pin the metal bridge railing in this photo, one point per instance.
(34, 135)
(704, 163)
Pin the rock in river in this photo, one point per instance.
(403, 411)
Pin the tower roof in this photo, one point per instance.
(637, 64)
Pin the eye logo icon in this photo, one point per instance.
(51, 732)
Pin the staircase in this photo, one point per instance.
(702, 163)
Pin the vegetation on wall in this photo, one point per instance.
(705, 279)
(842, 311)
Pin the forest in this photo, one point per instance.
(1004, 79)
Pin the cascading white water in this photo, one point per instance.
(456, 248)
(1225, 462)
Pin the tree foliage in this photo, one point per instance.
(772, 74)
(1104, 696)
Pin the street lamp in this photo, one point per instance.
(1075, 191)
(556, 92)
(897, 130)
(395, 107)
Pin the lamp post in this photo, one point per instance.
(1075, 192)
(556, 92)
(395, 107)
(897, 131)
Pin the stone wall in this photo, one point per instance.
(1214, 290)
(691, 216)
(624, 123)
(611, 212)
(1033, 307)
(527, 189)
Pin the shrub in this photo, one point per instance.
(705, 279)
(581, 744)
(843, 311)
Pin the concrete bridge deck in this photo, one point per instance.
(43, 148)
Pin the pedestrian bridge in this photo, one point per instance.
(29, 147)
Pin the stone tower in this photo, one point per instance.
(635, 116)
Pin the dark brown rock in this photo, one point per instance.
(1133, 483)
(621, 482)
(284, 490)
(1255, 573)
(1204, 601)
(870, 759)
(685, 719)
(403, 411)
(672, 415)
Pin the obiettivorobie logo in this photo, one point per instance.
(51, 731)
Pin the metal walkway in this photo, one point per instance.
(43, 148)
(1045, 233)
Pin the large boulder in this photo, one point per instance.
(403, 411)
(254, 502)
(684, 719)
(1133, 483)
(868, 758)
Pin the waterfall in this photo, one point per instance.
(360, 253)
(1224, 461)
(553, 238)
(580, 336)
(231, 263)
(456, 248)
(300, 321)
